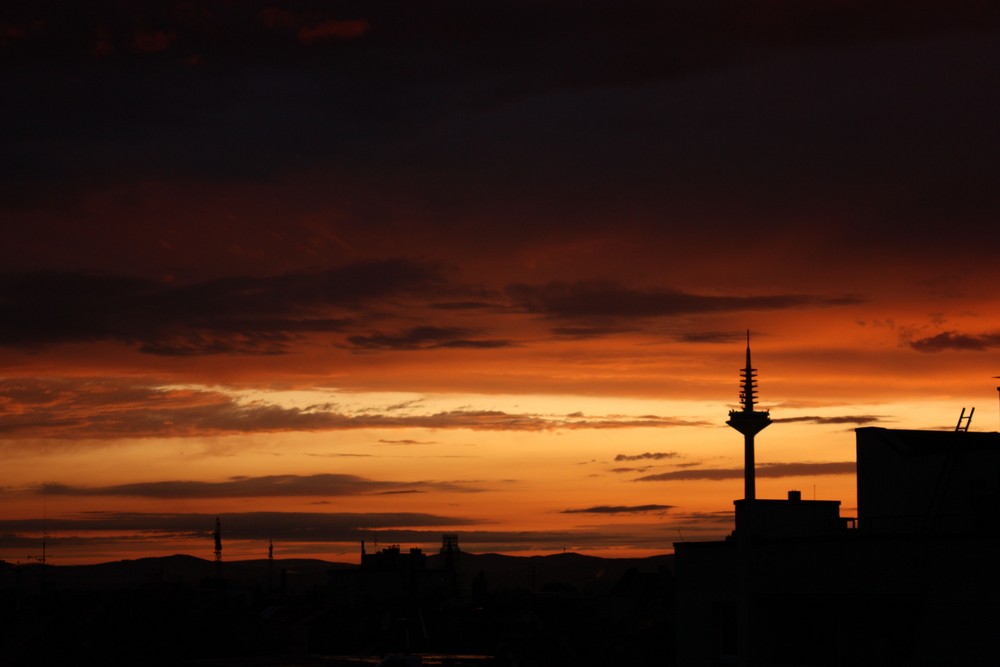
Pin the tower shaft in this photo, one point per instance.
(749, 474)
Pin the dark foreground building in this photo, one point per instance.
(914, 580)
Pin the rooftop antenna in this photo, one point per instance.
(45, 535)
(963, 418)
(749, 422)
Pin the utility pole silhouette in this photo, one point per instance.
(996, 377)
(270, 564)
(218, 548)
(45, 536)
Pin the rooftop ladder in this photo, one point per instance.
(966, 419)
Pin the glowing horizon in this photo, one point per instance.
(449, 271)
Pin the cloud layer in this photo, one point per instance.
(269, 486)
(803, 469)
(102, 408)
(246, 315)
(620, 509)
(953, 340)
(268, 315)
(601, 301)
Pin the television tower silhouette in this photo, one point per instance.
(749, 422)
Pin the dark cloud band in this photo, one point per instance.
(601, 301)
(954, 341)
(620, 509)
(762, 470)
(247, 315)
(256, 487)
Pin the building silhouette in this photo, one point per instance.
(914, 580)
(392, 574)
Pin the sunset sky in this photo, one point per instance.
(383, 270)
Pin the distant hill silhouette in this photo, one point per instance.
(181, 610)
(176, 569)
(536, 572)
(502, 571)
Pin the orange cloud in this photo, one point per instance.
(109, 409)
